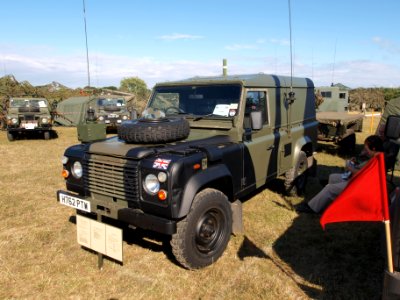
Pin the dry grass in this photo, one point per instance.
(281, 255)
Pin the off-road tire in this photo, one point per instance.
(111, 108)
(348, 142)
(10, 136)
(204, 233)
(154, 130)
(296, 177)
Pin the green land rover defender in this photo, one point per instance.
(202, 145)
(28, 116)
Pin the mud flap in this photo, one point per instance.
(237, 219)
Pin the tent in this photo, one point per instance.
(72, 110)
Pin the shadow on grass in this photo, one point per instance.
(146, 239)
(345, 260)
(34, 135)
(334, 149)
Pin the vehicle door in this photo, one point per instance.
(260, 157)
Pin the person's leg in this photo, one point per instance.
(326, 196)
(335, 178)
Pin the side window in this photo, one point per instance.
(326, 94)
(257, 101)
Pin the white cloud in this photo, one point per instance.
(238, 47)
(106, 69)
(386, 45)
(359, 73)
(180, 36)
(281, 42)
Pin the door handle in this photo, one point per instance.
(271, 147)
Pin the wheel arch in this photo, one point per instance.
(304, 144)
(217, 177)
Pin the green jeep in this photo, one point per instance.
(202, 144)
(27, 116)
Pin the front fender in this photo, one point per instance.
(196, 182)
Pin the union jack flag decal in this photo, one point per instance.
(161, 164)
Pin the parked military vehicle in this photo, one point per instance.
(201, 145)
(336, 124)
(27, 116)
(109, 110)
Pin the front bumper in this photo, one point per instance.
(134, 217)
(36, 129)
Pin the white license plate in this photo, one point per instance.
(30, 126)
(74, 202)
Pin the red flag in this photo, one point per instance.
(364, 198)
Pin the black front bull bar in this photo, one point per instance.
(138, 218)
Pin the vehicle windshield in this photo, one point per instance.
(199, 100)
(111, 102)
(28, 103)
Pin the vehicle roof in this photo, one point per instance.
(86, 99)
(248, 80)
(27, 98)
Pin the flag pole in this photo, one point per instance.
(389, 246)
(386, 215)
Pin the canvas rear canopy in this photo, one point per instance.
(72, 110)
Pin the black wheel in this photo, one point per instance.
(348, 143)
(296, 177)
(10, 136)
(203, 235)
(154, 130)
(46, 135)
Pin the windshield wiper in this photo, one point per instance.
(203, 116)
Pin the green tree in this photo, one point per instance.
(134, 85)
(138, 88)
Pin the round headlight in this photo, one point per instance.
(151, 184)
(162, 177)
(124, 117)
(14, 120)
(101, 118)
(45, 120)
(64, 160)
(77, 170)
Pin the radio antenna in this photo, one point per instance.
(87, 49)
(334, 62)
(291, 54)
(291, 93)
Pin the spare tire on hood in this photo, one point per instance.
(161, 130)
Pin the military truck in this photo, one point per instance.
(202, 145)
(27, 116)
(336, 124)
(109, 110)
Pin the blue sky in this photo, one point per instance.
(356, 43)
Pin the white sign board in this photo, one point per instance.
(99, 237)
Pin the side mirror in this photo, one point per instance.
(256, 120)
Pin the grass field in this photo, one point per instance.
(281, 255)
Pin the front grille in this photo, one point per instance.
(29, 118)
(113, 177)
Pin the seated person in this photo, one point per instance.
(337, 182)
